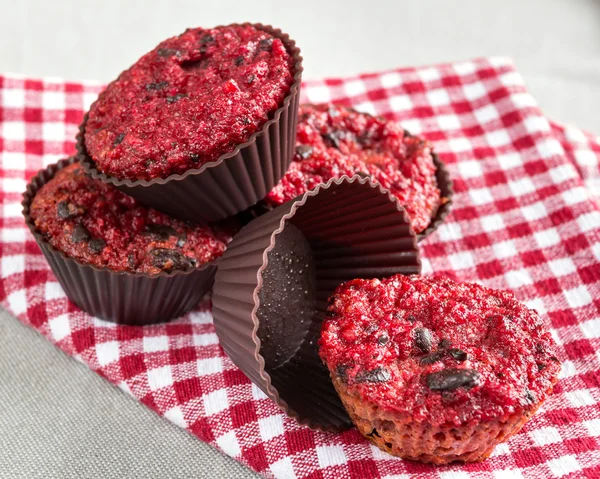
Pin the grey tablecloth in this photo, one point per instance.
(59, 420)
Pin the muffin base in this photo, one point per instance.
(400, 436)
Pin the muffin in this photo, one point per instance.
(333, 141)
(115, 258)
(189, 103)
(98, 225)
(436, 371)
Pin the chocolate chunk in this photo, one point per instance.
(265, 45)
(377, 375)
(529, 398)
(238, 61)
(304, 151)
(175, 98)
(97, 245)
(342, 372)
(131, 260)
(166, 52)
(445, 343)
(79, 234)
(457, 354)
(432, 358)
(423, 339)
(383, 339)
(157, 86)
(119, 139)
(452, 379)
(333, 138)
(160, 232)
(66, 210)
(168, 260)
(250, 79)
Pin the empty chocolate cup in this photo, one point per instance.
(273, 283)
(446, 193)
(235, 180)
(129, 298)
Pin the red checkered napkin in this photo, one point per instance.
(523, 219)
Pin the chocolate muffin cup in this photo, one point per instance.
(273, 283)
(446, 192)
(233, 182)
(122, 297)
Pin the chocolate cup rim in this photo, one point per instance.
(30, 193)
(444, 181)
(90, 165)
(297, 203)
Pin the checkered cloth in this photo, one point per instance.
(523, 219)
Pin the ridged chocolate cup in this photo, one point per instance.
(444, 184)
(233, 182)
(273, 283)
(122, 297)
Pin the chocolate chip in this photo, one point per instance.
(383, 339)
(208, 38)
(410, 318)
(168, 260)
(457, 354)
(377, 375)
(452, 379)
(250, 79)
(175, 98)
(159, 232)
(342, 372)
(131, 260)
(541, 367)
(79, 234)
(423, 339)
(407, 134)
(432, 358)
(157, 86)
(97, 245)
(265, 45)
(373, 433)
(119, 139)
(166, 52)
(445, 343)
(194, 156)
(238, 61)
(304, 151)
(333, 138)
(66, 210)
(529, 398)
(246, 121)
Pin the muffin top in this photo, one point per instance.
(438, 351)
(188, 101)
(333, 141)
(99, 225)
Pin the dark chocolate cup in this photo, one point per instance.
(233, 182)
(128, 298)
(446, 192)
(273, 283)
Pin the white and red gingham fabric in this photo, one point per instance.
(524, 219)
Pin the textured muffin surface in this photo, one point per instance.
(191, 99)
(436, 352)
(333, 141)
(98, 225)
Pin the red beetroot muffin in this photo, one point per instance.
(191, 99)
(333, 141)
(436, 371)
(98, 225)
